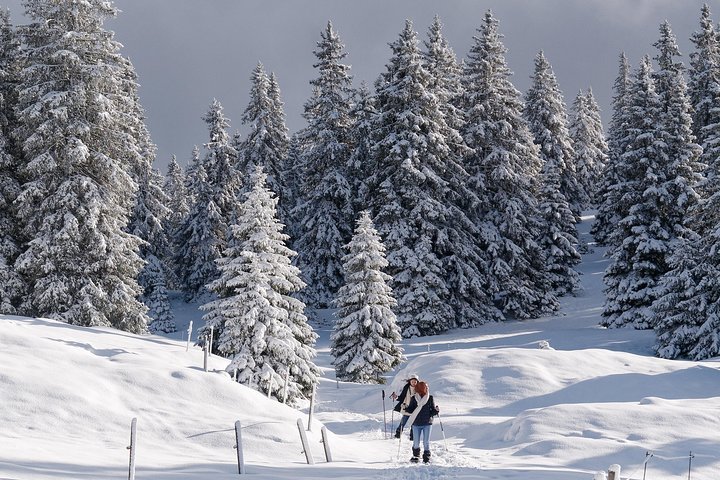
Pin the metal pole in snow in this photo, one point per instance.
(690, 464)
(133, 440)
(187, 347)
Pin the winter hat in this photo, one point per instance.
(421, 389)
(413, 376)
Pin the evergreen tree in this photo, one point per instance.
(292, 173)
(704, 77)
(360, 164)
(324, 209)
(198, 239)
(281, 136)
(591, 149)
(12, 286)
(503, 170)
(608, 193)
(215, 186)
(547, 118)
(687, 318)
(262, 327)
(148, 223)
(559, 235)
(221, 167)
(437, 265)
(266, 144)
(178, 203)
(365, 337)
(638, 261)
(445, 76)
(74, 112)
(661, 197)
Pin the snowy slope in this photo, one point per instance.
(509, 408)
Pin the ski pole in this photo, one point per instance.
(648, 456)
(384, 414)
(443, 431)
(392, 421)
(399, 442)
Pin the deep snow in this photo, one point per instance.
(509, 408)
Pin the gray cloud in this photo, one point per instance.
(187, 52)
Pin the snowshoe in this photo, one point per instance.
(416, 455)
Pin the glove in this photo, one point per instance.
(437, 409)
(393, 396)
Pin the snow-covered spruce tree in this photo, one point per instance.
(197, 242)
(148, 222)
(266, 143)
(175, 187)
(11, 284)
(292, 172)
(364, 340)
(662, 160)
(686, 314)
(214, 189)
(591, 149)
(221, 166)
(638, 261)
(677, 195)
(263, 329)
(445, 77)
(281, 136)
(360, 165)
(610, 211)
(324, 208)
(704, 77)
(77, 187)
(547, 118)
(559, 235)
(434, 256)
(503, 171)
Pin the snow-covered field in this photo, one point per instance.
(509, 408)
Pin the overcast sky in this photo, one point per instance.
(187, 52)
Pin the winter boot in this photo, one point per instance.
(426, 456)
(416, 455)
(397, 433)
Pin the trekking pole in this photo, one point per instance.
(648, 456)
(443, 432)
(384, 414)
(392, 421)
(690, 464)
(399, 442)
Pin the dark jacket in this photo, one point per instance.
(427, 411)
(401, 397)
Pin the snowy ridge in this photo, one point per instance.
(509, 408)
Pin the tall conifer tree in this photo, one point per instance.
(591, 149)
(608, 194)
(547, 118)
(263, 328)
(77, 184)
(503, 170)
(324, 209)
(364, 340)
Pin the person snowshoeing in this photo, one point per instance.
(422, 409)
(403, 401)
